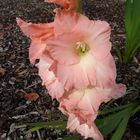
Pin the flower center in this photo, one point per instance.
(82, 48)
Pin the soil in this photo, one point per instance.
(18, 76)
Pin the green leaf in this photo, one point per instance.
(109, 123)
(114, 109)
(132, 26)
(123, 124)
(136, 109)
(119, 54)
(50, 124)
(74, 137)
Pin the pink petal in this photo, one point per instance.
(36, 50)
(73, 123)
(77, 76)
(62, 48)
(90, 131)
(117, 91)
(65, 21)
(87, 130)
(90, 101)
(55, 88)
(36, 31)
(97, 36)
(106, 72)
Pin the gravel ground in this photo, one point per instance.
(18, 76)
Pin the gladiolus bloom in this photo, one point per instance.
(75, 65)
(82, 107)
(82, 54)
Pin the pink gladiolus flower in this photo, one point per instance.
(82, 108)
(67, 4)
(82, 54)
(75, 65)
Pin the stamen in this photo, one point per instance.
(82, 48)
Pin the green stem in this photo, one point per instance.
(80, 6)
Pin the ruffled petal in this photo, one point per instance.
(87, 130)
(90, 101)
(77, 76)
(55, 88)
(90, 131)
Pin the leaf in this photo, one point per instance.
(31, 96)
(74, 137)
(119, 54)
(109, 123)
(132, 26)
(123, 124)
(114, 109)
(136, 109)
(51, 124)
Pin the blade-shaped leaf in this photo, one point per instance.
(51, 124)
(123, 124)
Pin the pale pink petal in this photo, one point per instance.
(90, 101)
(97, 36)
(69, 19)
(117, 91)
(43, 66)
(36, 31)
(77, 76)
(106, 72)
(55, 88)
(88, 130)
(73, 123)
(62, 48)
(36, 50)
